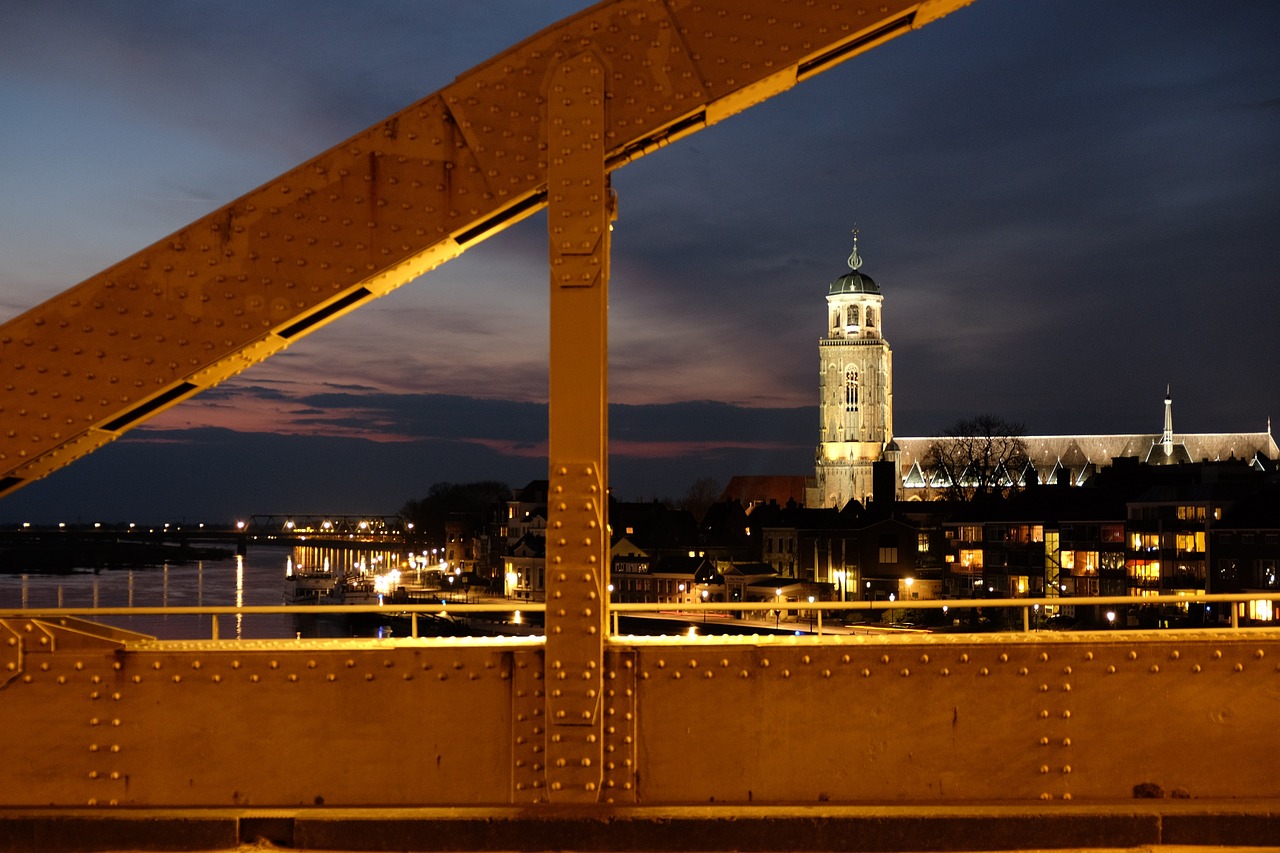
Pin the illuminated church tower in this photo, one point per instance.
(855, 390)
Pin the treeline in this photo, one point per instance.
(443, 500)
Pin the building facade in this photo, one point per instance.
(855, 387)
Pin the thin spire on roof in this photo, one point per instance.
(1166, 438)
(854, 260)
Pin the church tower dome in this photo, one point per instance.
(855, 389)
(854, 302)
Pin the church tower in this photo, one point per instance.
(855, 385)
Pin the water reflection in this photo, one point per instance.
(255, 579)
(258, 578)
(239, 595)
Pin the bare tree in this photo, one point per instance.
(979, 457)
(702, 494)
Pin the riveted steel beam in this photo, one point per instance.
(388, 205)
(727, 723)
(579, 211)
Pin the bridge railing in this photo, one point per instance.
(817, 622)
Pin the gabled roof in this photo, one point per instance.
(1175, 454)
(652, 525)
(751, 570)
(530, 545)
(764, 489)
(624, 547)
(772, 517)
(1081, 455)
(679, 565)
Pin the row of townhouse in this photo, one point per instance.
(1137, 531)
(1133, 530)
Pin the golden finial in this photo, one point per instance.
(854, 260)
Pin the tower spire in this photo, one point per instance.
(1166, 438)
(854, 260)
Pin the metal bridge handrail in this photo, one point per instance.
(641, 607)
(1026, 605)
(947, 603)
(267, 609)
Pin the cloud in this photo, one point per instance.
(1063, 218)
(214, 473)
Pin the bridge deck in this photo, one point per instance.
(1203, 825)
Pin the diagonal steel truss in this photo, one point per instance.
(389, 204)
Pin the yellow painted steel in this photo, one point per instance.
(541, 125)
(99, 718)
(577, 553)
(389, 204)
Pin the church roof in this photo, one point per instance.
(1081, 454)
(1076, 458)
(853, 282)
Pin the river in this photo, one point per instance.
(254, 579)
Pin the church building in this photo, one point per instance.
(855, 411)
(855, 389)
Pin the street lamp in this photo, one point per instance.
(705, 595)
(777, 610)
(811, 614)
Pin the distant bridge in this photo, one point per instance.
(580, 739)
(293, 524)
(279, 529)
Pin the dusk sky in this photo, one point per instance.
(1068, 205)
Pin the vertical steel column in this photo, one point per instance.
(579, 210)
